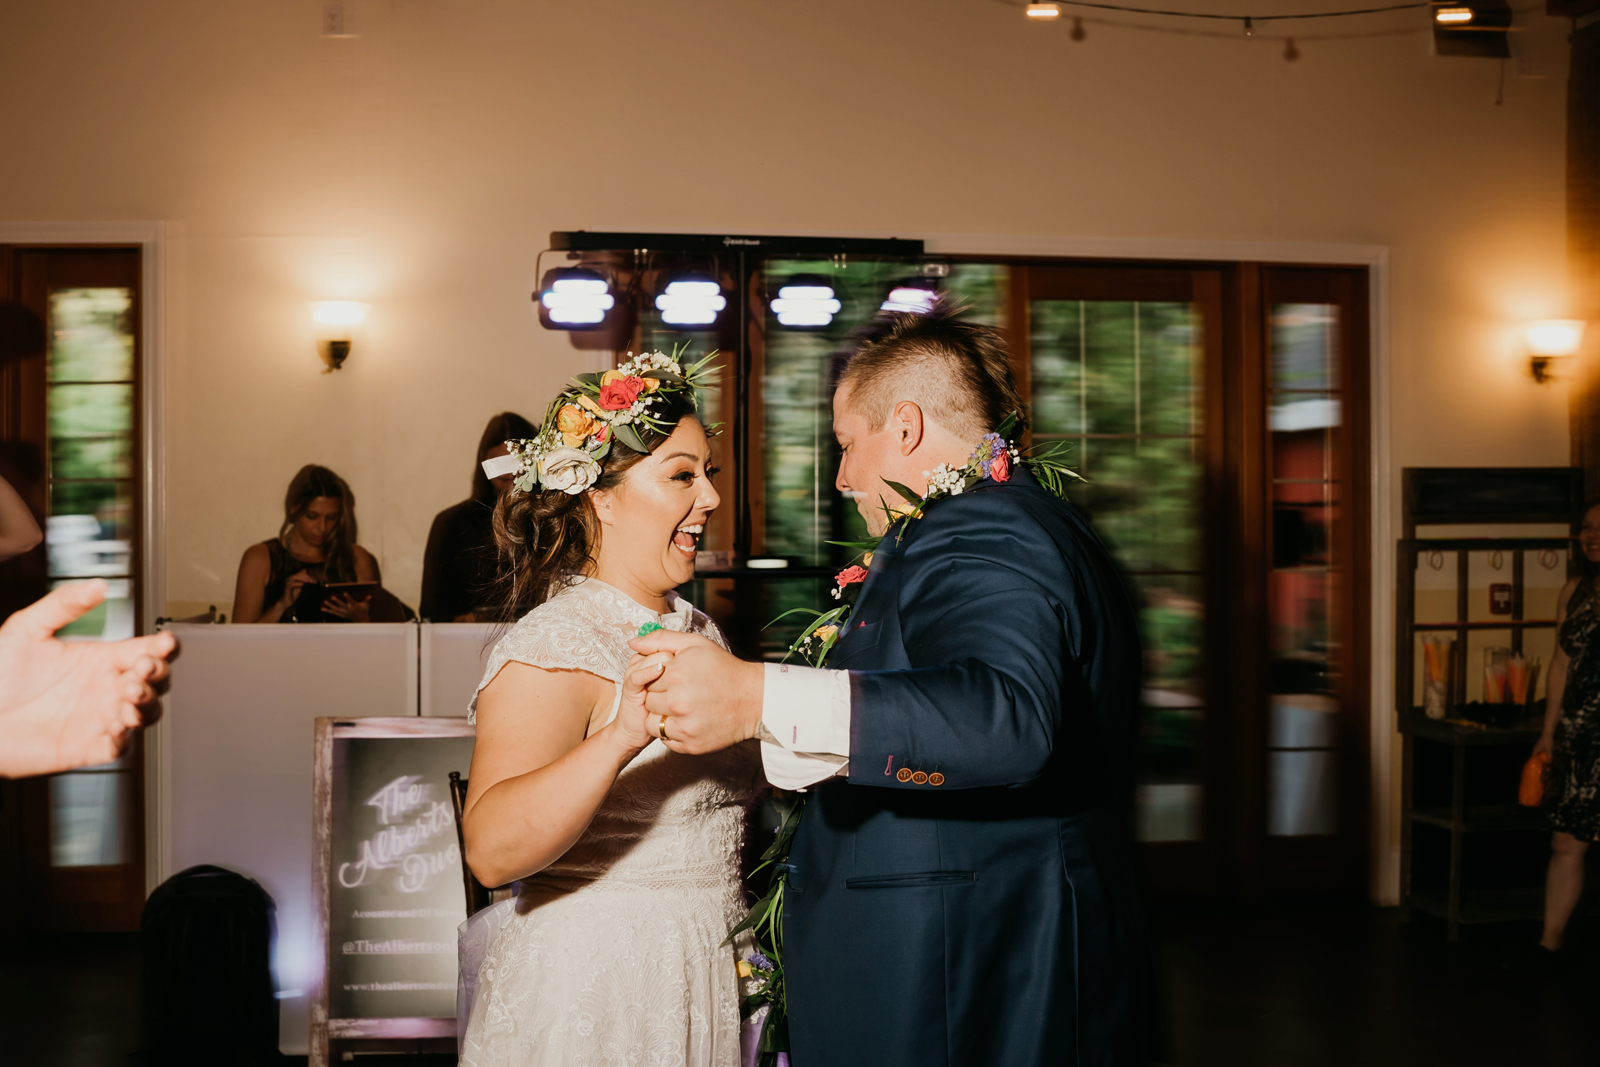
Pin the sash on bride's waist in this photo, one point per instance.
(714, 875)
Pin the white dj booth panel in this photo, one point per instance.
(235, 752)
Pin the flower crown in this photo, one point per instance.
(638, 404)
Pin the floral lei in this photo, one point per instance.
(996, 456)
(630, 404)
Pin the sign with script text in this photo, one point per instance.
(389, 874)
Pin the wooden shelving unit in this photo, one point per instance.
(1467, 770)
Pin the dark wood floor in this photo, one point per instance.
(1305, 988)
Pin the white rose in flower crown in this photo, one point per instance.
(570, 470)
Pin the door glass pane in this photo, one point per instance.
(89, 414)
(1120, 381)
(1304, 416)
(803, 511)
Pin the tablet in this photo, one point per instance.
(308, 605)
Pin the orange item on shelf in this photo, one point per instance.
(1531, 792)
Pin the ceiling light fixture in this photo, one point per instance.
(574, 298)
(691, 300)
(806, 302)
(1044, 11)
(1452, 16)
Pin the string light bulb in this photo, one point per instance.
(1044, 11)
(1078, 32)
(1453, 16)
(1290, 52)
(1249, 28)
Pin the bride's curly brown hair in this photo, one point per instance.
(546, 537)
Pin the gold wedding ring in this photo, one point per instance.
(661, 729)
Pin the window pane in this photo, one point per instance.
(1303, 793)
(90, 335)
(1304, 346)
(1169, 380)
(1131, 370)
(1057, 341)
(90, 410)
(88, 529)
(110, 620)
(87, 827)
(91, 457)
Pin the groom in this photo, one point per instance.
(963, 887)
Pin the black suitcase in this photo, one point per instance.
(206, 938)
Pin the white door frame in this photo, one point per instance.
(150, 238)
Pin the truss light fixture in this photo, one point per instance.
(1044, 11)
(806, 302)
(574, 298)
(691, 300)
(913, 296)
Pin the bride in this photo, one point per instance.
(626, 854)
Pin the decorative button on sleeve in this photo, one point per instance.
(936, 778)
(904, 775)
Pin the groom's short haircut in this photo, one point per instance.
(958, 372)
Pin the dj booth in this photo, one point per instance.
(230, 766)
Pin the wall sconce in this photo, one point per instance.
(1551, 339)
(336, 325)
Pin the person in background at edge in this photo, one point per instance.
(1572, 736)
(458, 567)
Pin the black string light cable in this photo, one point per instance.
(1249, 21)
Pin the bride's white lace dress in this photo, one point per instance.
(613, 956)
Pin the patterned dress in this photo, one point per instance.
(1572, 798)
(612, 956)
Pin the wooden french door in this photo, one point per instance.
(69, 441)
(1218, 413)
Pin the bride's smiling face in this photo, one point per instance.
(654, 518)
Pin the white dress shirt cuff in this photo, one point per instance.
(805, 715)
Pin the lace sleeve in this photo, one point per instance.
(546, 640)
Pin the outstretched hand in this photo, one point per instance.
(711, 699)
(66, 704)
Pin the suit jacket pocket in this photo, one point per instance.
(908, 881)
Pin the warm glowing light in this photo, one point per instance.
(1554, 337)
(1044, 11)
(1453, 15)
(339, 313)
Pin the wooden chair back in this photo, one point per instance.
(478, 897)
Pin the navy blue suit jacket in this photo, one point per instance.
(981, 910)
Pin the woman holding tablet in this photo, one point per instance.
(317, 545)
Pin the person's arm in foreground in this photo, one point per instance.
(66, 704)
(19, 532)
(536, 780)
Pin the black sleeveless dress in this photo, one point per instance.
(1572, 796)
(284, 567)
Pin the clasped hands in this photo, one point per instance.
(689, 693)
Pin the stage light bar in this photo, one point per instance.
(1453, 16)
(574, 298)
(915, 296)
(693, 300)
(805, 302)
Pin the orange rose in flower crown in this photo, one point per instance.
(575, 424)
